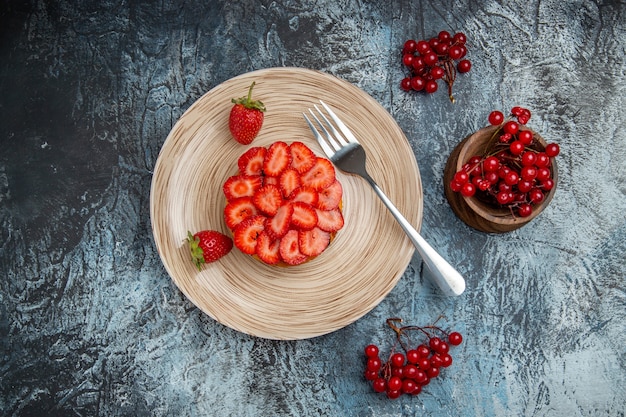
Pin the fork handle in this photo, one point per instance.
(445, 276)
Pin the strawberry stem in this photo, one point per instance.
(247, 102)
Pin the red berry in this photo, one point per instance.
(393, 394)
(491, 164)
(371, 351)
(394, 384)
(460, 38)
(455, 338)
(374, 364)
(422, 47)
(417, 83)
(430, 58)
(444, 36)
(370, 375)
(397, 360)
(535, 195)
(464, 66)
(528, 158)
(410, 46)
(543, 174)
(511, 127)
(496, 117)
(432, 372)
(455, 52)
(524, 210)
(412, 356)
(552, 150)
(407, 60)
(548, 184)
(461, 177)
(525, 136)
(446, 360)
(405, 84)
(431, 86)
(423, 351)
(468, 189)
(408, 386)
(409, 371)
(516, 147)
(379, 385)
(437, 72)
(528, 173)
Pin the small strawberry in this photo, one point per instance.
(290, 249)
(302, 157)
(277, 159)
(321, 175)
(313, 242)
(304, 216)
(251, 162)
(208, 246)
(237, 210)
(330, 197)
(246, 118)
(247, 232)
(241, 186)
(329, 221)
(267, 249)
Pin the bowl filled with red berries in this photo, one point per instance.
(503, 176)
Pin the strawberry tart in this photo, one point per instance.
(284, 204)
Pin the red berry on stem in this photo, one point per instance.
(422, 47)
(455, 338)
(524, 210)
(525, 136)
(496, 117)
(417, 83)
(370, 375)
(371, 351)
(468, 189)
(397, 360)
(410, 46)
(464, 66)
(552, 150)
(460, 38)
(374, 364)
(394, 384)
(431, 86)
(380, 385)
(511, 127)
(455, 52)
(516, 147)
(405, 84)
(444, 36)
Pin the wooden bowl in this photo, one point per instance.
(476, 213)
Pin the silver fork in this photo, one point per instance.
(344, 150)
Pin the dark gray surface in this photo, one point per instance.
(90, 323)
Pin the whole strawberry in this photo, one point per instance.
(246, 118)
(208, 246)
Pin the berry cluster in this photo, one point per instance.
(408, 371)
(514, 172)
(432, 60)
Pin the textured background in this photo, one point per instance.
(90, 323)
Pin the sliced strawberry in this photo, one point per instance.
(304, 216)
(241, 186)
(268, 199)
(277, 159)
(321, 175)
(313, 242)
(251, 162)
(305, 194)
(290, 249)
(329, 221)
(277, 226)
(238, 210)
(268, 249)
(289, 181)
(247, 232)
(302, 157)
(271, 180)
(330, 197)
